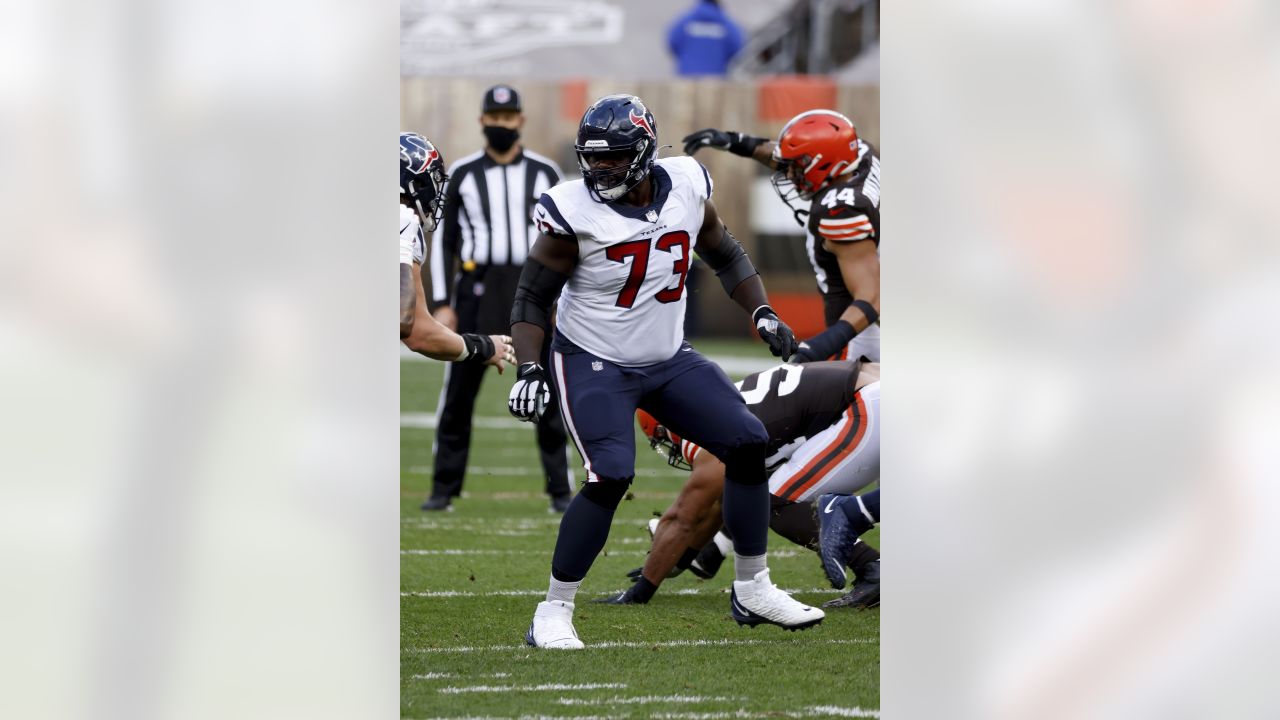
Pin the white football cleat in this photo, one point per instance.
(552, 627)
(760, 601)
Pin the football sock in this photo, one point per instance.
(723, 543)
(860, 555)
(746, 515)
(797, 522)
(745, 567)
(583, 532)
(563, 591)
(690, 554)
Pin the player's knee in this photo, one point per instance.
(606, 492)
(745, 464)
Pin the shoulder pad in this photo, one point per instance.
(549, 219)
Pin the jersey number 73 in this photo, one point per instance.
(638, 251)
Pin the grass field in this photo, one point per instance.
(470, 580)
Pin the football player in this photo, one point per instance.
(823, 421)
(422, 179)
(614, 247)
(819, 160)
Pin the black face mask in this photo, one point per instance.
(500, 138)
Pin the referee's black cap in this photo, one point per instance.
(500, 97)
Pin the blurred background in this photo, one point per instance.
(201, 406)
(562, 54)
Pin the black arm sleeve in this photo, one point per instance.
(538, 289)
(729, 261)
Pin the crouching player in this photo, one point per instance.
(823, 421)
(615, 248)
(422, 179)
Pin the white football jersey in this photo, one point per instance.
(625, 301)
(413, 246)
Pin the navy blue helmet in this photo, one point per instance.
(616, 124)
(422, 177)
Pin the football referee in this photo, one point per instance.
(476, 260)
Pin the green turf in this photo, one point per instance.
(464, 655)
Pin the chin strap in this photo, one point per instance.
(801, 214)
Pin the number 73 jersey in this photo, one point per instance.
(625, 300)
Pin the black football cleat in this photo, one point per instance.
(865, 592)
(559, 503)
(437, 504)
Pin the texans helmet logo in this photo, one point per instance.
(421, 157)
(638, 119)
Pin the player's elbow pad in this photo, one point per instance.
(729, 261)
(538, 288)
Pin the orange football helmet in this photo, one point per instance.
(814, 149)
(662, 440)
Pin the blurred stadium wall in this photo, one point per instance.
(562, 54)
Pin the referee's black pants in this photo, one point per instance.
(482, 300)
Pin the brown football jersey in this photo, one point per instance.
(846, 212)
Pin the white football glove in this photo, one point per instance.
(531, 394)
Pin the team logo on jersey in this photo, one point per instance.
(597, 365)
(638, 119)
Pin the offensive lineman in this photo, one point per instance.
(422, 179)
(617, 243)
(819, 158)
(823, 421)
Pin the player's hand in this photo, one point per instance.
(626, 597)
(775, 333)
(804, 354)
(531, 394)
(447, 317)
(503, 353)
(734, 142)
(638, 573)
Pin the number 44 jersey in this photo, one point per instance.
(625, 300)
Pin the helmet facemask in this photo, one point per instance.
(791, 185)
(668, 445)
(426, 194)
(422, 178)
(607, 184)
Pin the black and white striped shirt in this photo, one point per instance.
(488, 214)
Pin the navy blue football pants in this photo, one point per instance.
(687, 393)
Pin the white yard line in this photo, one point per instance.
(612, 645)
(825, 710)
(811, 712)
(646, 699)
(545, 687)
(523, 717)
